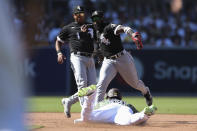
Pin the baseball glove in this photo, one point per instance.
(136, 37)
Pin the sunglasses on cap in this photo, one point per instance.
(80, 14)
(96, 18)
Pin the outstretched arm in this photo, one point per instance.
(135, 36)
(123, 29)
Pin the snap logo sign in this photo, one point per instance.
(163, 70)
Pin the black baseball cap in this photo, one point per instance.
(97, 13)
(78, 9)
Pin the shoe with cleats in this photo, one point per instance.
(150, 110)
(86, 91)
(66, 104)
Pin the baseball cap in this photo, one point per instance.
(78, 9)
(97, 15)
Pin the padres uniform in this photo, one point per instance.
(116, 60)
(110, 111)
(81, 49)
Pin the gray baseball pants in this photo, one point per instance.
(123, 65)
(84, 72)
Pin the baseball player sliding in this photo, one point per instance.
(116, 59)
(111, 110)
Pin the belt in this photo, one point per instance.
(83, 54)
(113, 57)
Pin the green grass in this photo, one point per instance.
(33, 127)
(48, 104)
(166, 105)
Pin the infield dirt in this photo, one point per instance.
(157, 122)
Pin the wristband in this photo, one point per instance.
(59, 52)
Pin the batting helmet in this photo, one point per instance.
(114, 93)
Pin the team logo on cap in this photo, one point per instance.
(115, 94)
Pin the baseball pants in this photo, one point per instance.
(126, 67)
(84, 71)
(111, 113)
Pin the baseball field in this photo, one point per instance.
(174, 113)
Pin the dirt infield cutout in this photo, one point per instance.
(158, 122)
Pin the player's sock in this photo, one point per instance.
(149, 99)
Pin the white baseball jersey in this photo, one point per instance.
(110, 112)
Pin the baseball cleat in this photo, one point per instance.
(67, 106)
(150, 110)
(149, 99)
(86, 91)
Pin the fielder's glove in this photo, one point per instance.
(136, 37)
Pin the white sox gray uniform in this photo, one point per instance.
(81, 49)
(116, 59)
(126, 67)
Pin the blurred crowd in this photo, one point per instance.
(168, 23)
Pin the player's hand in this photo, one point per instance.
(84, 28)
(60, 58)
(99, 56)
(100, 59)
(136, 37)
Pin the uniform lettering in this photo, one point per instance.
(104, 40)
